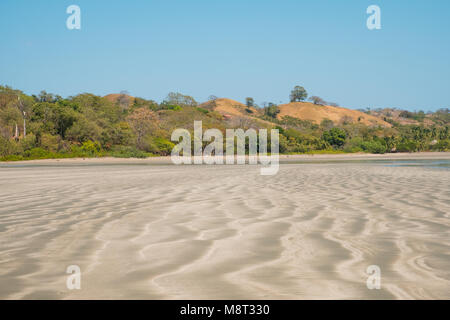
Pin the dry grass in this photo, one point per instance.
(234, 110)
(317, 113)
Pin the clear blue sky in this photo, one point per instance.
(232, 48)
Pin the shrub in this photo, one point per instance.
(443, 145)
(8, 147)
(159, 145)
(354, 145)
(373, 146)
(49, 142)
(91, 148)
(29, 142)
(175, 107)
(165, 146)
(13, 157)
(202, 110)
(407, 146)
(127, 152)
(37, 153)
(335, 137)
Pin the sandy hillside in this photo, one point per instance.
(113, 97)
(232, 109)
(229, 107)
(317, 113)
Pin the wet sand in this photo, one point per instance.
(141, 231)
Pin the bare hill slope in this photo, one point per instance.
(317, 113)
(229, 107)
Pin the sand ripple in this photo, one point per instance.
(198, 232)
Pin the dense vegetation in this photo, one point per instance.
(86, 125)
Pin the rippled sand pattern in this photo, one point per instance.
(198, 232)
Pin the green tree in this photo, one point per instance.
(335, 137)
(175, 98)
(298, 94)
(56, 118)
(249, 102)
(46, 97)
(272, 110)
(83, 130)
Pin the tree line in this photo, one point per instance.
(50, 126)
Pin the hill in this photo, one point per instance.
(229, 107)
(318, 113)
(120, 98)
(234, 111)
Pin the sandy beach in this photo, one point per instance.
(283, 158)
(142, 229)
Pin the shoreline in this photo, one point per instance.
(283, 158)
